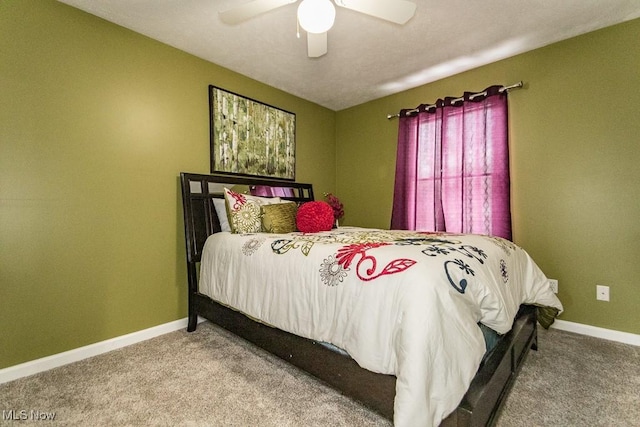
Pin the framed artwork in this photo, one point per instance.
(251, 138)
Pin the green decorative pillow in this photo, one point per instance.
(244, 211)
(547, 315)
(279, 218)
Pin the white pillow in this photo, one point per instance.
(221, 211)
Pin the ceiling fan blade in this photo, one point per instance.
(398, 11)
(316, 44)
(248, 10)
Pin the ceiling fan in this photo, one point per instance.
(316, 17)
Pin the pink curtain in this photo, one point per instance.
(452, 167)
(268, 191)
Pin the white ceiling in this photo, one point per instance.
(368, 58)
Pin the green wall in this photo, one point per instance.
(96, 123)
(575, 163)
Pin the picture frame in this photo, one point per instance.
(249, 137)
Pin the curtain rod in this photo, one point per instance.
(502, 89)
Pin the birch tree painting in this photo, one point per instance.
(249, 137)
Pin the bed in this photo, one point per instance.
(330, 353)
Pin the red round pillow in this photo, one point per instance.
(313, 217)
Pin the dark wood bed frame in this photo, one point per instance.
(480, 404)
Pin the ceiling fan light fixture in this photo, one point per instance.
(316, 16)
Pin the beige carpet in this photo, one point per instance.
(212, 378)
(575, 380)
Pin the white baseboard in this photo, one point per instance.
(594, 331)
(44, 364)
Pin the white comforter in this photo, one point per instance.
(399, 302)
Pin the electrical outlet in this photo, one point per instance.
(553, 284)
(602, 293)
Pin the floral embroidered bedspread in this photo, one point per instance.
(399, 302)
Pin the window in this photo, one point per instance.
(452, 167)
